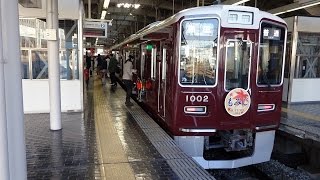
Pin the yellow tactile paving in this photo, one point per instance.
(118, 171)
(301, 114)
(113, 160)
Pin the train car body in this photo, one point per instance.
(213, 75)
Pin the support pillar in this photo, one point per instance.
(12, 87)
(80, 51)
(89, 9)
(54, 65)
(172, 7)
(4, 154)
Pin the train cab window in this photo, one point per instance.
(198, 52)
(271, 54)
(238, 60)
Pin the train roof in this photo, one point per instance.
(220, 11)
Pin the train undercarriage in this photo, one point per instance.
(245, 146)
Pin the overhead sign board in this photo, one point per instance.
(95, 29)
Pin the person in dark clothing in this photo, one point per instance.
(112, 69)
(88, 63)
(86, 76)
(99, 65)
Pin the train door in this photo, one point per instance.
(237, 86)
(162, 66)
(269, 76)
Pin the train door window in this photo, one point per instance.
(237, 67)
(153, 63)
(143, 59)
(164, 63)
(198, 52)
(271, 54)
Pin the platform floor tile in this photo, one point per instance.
(107, 141)
(70, 153)
(302, 120)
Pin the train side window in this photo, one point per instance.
(271, 54)
(143, 59)
(198, 52)
(238, 61)
(164, 63)
(153, 63)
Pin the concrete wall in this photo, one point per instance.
(304, 90)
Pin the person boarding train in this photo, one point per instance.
(127, 78)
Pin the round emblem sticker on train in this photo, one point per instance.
(237, 102)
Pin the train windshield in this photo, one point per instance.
(198, 52)
(238, 60)
(271, 53)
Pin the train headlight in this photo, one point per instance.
(195, 109)
(266, 107)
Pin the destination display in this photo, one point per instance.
(271, 33)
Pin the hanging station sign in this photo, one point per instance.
(95, 29)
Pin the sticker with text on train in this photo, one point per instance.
(237, 102)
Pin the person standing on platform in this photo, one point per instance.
(108, 60)
(99, 65)
(104, 67)
(88, 63)
(86, 76)
(113, 65)
(127, 78)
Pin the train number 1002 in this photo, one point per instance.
(197, 98)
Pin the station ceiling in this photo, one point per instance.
(126, 21)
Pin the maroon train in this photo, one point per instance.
(213, 75)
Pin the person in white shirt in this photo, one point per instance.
(127, 78)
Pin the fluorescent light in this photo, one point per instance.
(136, 6)
(106, 4)
(103, 14)
(128, 5)
(240, 2)
(297, 8)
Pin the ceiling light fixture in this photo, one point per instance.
(128, 5)
(103, 14)
(240, 2)
(301, 6)
(106, 4)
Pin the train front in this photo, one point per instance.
(230, 76)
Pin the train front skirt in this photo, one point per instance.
(194, 147)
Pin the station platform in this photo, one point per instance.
(301, 120)
(108, 141)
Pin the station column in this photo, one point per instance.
(4, 154)
(12, 102)
(54, 64)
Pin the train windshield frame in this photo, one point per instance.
(272, 46)
(198, 52)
